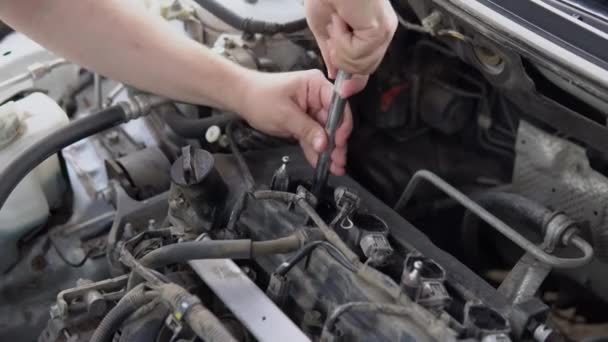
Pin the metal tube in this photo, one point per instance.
(496, 223)
(35, 71)
(98, 91)
(334, 118)
(113, 94)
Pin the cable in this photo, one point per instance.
(287, 266)
(250, 25)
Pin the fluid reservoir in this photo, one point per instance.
(22, 123)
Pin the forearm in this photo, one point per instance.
(123, 42)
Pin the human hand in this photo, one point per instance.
(295, 105)
(353, 36)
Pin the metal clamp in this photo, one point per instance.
(498, 224)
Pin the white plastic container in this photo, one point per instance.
(22, 123)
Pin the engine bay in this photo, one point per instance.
(473, 208)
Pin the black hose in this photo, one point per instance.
(248, 24)
(536, 214)
(43, 149)
(194, 128)
(130, 303)
(512, 205)
(228, 249)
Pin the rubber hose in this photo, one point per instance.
(43, 149)
(132, 301)
(202, 321)
(250, 25)
(279, 246)
(194, 128)
(229, 249)
(535, 213)
(509, 204)
(206, 326)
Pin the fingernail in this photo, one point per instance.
(318, 142)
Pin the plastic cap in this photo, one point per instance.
(213, 134)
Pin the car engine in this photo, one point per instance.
(473, 208)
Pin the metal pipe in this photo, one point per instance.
(334, 118)
(496, 223)
(35, 71)
(112, 95)
(98, 90)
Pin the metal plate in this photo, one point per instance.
(247, 302)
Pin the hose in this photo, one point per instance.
(43, 149)
(227, 249)
(194, 128)
(495, 222)
(501, 203)
(127, 305)
(250, 25)
(536, 214)
(189, 308)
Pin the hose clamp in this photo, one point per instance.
(140, 105)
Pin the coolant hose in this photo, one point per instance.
(226, 249)
(202, 321)
(125, 307)
(250, 25)
(194, 128)
(43, 149)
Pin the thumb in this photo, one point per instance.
(307, 130)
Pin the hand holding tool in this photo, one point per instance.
(334, 119)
